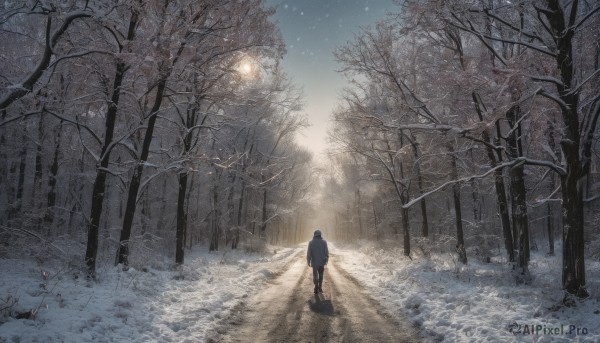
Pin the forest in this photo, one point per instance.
(141, 127)
(133, 129)
(470, 126)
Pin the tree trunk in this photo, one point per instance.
(358, 212)
(518, 191)
(425, 224)
(96, 212)
(519, 215)
(403, 196)
(498, 182)
(3, 172)
(187, 234)
(475, 196)
(476, 201)
(21, 179)
(231, 211)
(573, 243)
(573, 277)
(243, 193)
(77, 188)
(460, 241)
(163, 204)
(100, 181)
(263, 225)
(504, 216)
(236, 239)
(51, 198)
(551, 216)
(183, 195)
(136, 179)
(406, 231)
(423, 203)
(375, 223)
(181, 218)
(253, 221)
(38, 174)
(550, 226)
(214, 241)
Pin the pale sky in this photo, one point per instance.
(312, 29)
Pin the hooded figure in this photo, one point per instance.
(317, 257)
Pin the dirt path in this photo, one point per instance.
(288, 311)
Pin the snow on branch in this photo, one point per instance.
(27, 84)
(586, 17)
(33, 234)
(444, 128)
(74, 122)
(19, 117)
(581, 84)
(588, 200)
(554, 98)
(547, 199)
(521, 160)
(490, 13)
(488, 39)
(81, 54)
(546, 79)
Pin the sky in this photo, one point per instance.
(312, 29)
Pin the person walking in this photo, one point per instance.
(317, 257)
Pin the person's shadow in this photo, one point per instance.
(321, 305)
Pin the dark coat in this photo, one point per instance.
(317, 254)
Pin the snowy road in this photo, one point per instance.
(288, 311)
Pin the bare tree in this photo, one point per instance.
(14, 15)
(549, 31)
(247, 25)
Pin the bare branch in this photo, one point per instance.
(521, 160)
(26, 86)
(546, 79)
(554, 98)
(32, 234)
(586, 17)
(19, 117)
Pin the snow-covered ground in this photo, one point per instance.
(150, 305)
(450, 302)
(477, 302)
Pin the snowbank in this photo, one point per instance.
(130, 306)
(479, 302)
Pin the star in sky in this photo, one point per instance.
(312, 29)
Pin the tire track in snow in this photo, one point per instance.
(288, 311)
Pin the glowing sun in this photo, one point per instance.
(246, 68)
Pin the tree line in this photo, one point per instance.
(476, 115)
(134, 125)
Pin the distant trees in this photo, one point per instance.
(479, 82)
(145, 105)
